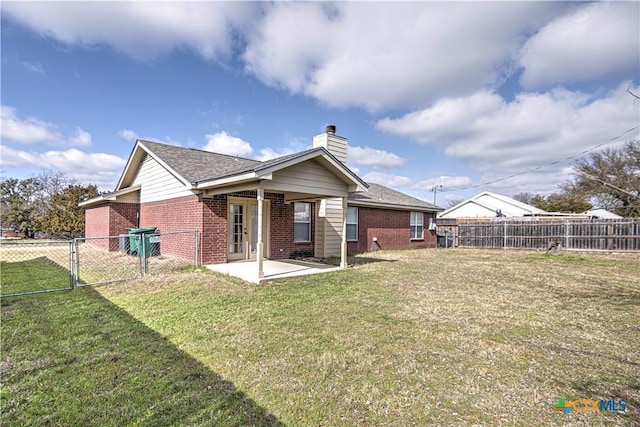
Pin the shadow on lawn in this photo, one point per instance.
(77, 359)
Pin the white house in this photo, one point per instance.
(490, 205)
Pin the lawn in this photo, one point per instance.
(32, 275)
(449, 337)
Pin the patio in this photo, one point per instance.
(247, 270)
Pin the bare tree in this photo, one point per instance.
(524, 197)
(610, 178)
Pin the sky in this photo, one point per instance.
(496, 96)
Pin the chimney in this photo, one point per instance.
(336, 145)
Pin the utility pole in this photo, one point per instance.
(434, 189)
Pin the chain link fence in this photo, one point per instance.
(35, 267)
(28, 267)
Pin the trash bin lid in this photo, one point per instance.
(141, 230)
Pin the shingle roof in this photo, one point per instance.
(199, 165)
(381, 195)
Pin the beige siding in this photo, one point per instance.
(156, 183)
(334, 144)
(307, 177)
(330, 226)
(319, 237)
(133, 197)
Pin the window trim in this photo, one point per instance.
(352, 223)
(296, 221)
(414, 215)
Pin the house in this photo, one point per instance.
(489, 205)
(303, 204)
(600, 213)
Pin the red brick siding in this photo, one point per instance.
(281, 244)
(391, 228)
(110, 219)
(208, 216)
(281, 236)
(214, 234)
(179, 214)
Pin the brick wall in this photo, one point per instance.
(281, 238)
(109, 219)
(281, 244)
(180, 214)
(391, 228)
(208, 216)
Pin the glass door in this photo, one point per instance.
(237, 231)
(243, 229)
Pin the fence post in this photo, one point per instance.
(505, 236)
(71, 266)
(143, 255)
(76, 249)
(566, 236)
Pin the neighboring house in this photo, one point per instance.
(600, 213)
(244, 209)
(489, 205)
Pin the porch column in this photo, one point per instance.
(343, 245)
(259, 249)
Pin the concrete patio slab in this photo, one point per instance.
(248, 270)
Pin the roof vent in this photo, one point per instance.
(331, 129)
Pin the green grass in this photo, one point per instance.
(32, 275)
(77, 359)
(455, 337)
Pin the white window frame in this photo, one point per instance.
(416, 222)
(355, 238)
(302, 221)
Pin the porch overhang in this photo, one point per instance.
(108, 197)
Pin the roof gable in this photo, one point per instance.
(491, 202)
(202, 168)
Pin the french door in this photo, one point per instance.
(243, 229)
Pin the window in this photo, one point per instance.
(417, 225)
(302, 222)
(352, 224)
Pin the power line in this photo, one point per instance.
(555, 162)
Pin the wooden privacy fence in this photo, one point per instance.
(579, 234)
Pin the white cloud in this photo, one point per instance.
(596, 40)
(447, 182)
(128, 134)
(387, 179)
(34, 67)
(500, 138)
(382, 55)
(142, 30)
(270, 153)
(32, 130)
(87, 168)
(376, 55)
(224, 143)
(81, 138)
(378, 159)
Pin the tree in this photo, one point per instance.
(610, 178)
(17, 203)
(64, 219)
(524, 197)
(451, 203)
(562, 202)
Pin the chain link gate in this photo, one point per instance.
(49, 266)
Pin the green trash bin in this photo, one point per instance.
(151, 246)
